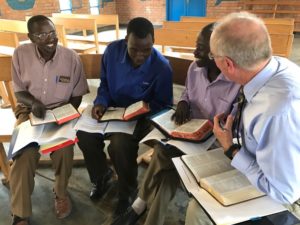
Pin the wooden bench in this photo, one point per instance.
(79, 24)
(101, 20)
(181, 33)
(274, 9)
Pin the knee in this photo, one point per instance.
(119, 145)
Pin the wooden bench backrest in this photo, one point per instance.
(280, 26)
(178, 38)
(9, 39)
(78, 24)
(92, 67)
(112, 19)
(17, 26)
(5, 76)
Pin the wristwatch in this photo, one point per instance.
(229, 152)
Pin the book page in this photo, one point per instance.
(49, 118)
(113, 114)
(53, 132)
(24, 134)
(207, 163)
(191, 126)
(65, 113)
(164, 121)
(88, 124)
(126, 127)
(135, 110)
(230, 187)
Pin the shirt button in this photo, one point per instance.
(205, 99)
(45, 80)
(44, 92)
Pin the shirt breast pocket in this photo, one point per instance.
(61, 90)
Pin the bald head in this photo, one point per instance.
(244, 38)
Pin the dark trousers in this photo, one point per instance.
(122, 151)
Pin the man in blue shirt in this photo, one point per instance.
(132, 70)
(270, 151)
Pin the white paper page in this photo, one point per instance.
(52, 132)
(120, 127)
(88, 124)
(185, 174)
(230, 214)
(155, 134)
(190, 148)
(26, 135)
(237, 213)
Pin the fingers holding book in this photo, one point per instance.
(98, 111)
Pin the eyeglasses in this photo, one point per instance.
(212, 56)
(45, 36)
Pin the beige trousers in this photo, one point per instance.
(159, 184)
(22, 177)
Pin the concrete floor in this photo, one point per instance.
(85, 212)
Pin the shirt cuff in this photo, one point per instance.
(242, 160)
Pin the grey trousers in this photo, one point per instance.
(22, 177)
(160, 183)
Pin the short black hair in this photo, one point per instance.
(140, 27)
(36, 19)
(209, 28)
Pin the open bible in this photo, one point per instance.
(49, 137)
(129, 113)
(213, 172)
(58, 115)
(195, 130)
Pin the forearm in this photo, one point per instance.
(75, 101)
(25, 97)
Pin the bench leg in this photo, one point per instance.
(4, 96)
(4, 164)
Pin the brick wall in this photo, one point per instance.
(221, 9)
(154, 10)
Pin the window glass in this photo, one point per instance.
(65, 6)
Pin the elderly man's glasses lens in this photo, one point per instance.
(212, 56)
(44, 36)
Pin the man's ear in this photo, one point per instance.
(30, 37)
(126, 39)
(230, 64)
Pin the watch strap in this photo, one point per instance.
(231, 149)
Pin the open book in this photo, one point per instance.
(50, 137)
(88, 124)
(129, 113)
(195, 130)
(59, 115)
(220, 214)
(213, 172)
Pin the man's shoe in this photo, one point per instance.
(63, 207)
(99, 189)
(19, 221)
(130, 217)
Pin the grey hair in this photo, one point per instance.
(243, 37)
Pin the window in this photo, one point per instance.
(94, 7)
(65, 6)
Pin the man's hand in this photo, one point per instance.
(98, 111)
(182, 113)
(38, 109)
(223, 132)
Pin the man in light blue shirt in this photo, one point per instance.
(270, 152)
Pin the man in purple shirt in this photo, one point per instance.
(207, 93)
(45, 75)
